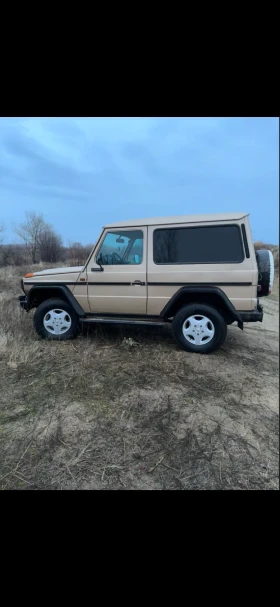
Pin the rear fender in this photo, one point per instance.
(187, 295)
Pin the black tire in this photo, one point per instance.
(197, 309)
(56, 304)
(265, 263)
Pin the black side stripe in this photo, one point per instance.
(199, 284)
(51, 283)
(149, 284)
(99, 284)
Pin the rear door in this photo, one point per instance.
(120, 288)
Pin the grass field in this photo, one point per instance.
(125, 408)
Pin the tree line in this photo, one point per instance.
(39, 242)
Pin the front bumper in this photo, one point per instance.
(252, 316)
(23, 302)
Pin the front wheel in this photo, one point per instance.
(55, 319)
(199, 328)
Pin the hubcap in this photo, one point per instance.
(198, 330)
(57, 322)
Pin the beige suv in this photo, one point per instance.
(198, 272)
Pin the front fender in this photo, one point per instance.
(55, 290)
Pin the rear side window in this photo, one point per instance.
(207, 244)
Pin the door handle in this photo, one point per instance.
(137, 283)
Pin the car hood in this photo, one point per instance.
(59, 270)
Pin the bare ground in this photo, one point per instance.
(125, 408)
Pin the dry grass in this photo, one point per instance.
(107, 412)
(275, 292)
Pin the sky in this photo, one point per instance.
(83, 173)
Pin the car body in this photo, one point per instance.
(146, 271)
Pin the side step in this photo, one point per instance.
(124, 321)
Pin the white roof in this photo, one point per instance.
(151, 221)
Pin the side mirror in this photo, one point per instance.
(100, 269)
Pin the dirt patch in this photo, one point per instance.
(125, 408)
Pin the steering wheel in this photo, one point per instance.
(116, 258)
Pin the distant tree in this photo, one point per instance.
(87, 250)
(5, 256)
(30, 232)
(76, 253)
(50, 245)
(2, 256)
(2, 229)
(262, 245)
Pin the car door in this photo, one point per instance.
(116, 273)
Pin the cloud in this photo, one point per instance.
(114, 168)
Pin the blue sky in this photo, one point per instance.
(82, 173)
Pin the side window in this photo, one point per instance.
(205, 244)
(121, 248)
(136, 252)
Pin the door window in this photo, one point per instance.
(121, 248)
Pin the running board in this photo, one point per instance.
(122, 321)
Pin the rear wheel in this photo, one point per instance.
(55, 319)
(199, 328)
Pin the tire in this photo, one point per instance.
(265, 263)
(200, 323)
(55, 319)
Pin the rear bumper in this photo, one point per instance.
(23, 302)
(252, 316)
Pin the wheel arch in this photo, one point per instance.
(212, 296)
(40, 293)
